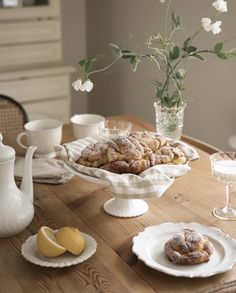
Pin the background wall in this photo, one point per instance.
(210, 85)
(74, 36)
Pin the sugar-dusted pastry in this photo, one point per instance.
(131, 154)
(94, 155)
(130, 166)
(188, 247)
(149, 139)
(122, 148)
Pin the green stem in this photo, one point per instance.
(104, 68)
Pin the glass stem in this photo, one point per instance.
(229, 191)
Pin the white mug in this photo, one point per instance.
(46, 134)
(87, 125)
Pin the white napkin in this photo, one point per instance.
(152, 182)
(45, 171)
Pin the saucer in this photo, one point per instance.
(148, 245)
(30, 252)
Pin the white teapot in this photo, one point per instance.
(16, 205)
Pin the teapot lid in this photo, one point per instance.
(7, 153)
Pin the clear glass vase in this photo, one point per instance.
(169, 121)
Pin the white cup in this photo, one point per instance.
(87, 125)
(46, 134)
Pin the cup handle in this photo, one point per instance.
(18, 139)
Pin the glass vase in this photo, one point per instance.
(169, 121)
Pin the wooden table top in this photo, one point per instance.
(113, 268)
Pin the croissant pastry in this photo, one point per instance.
(188, 247)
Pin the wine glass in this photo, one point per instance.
(223, 167)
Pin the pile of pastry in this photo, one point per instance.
(131, 154)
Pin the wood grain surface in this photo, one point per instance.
(114, 268)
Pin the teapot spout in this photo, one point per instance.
(27, 182)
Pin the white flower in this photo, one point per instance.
(162, 1)
(181, 72)
(77, 84)
(87, 86)
(215, 28)
(208, 26)
(220, 5)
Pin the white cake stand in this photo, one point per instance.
(120, 205)
(126, 208)
(117, 206)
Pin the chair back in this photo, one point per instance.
(12, 115)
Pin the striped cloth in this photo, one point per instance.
(152, 182)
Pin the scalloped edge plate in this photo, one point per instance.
(30, 253)
(148, 245)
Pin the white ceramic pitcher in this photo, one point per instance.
(16, 205)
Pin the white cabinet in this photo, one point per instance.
(32, 69)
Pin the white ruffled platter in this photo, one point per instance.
(148, 245)
(30, 253)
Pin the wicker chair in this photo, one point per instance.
(12, 115)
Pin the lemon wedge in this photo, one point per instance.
(47, 243)
(71, 239)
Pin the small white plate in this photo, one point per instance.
(30, 252)
(148, 245)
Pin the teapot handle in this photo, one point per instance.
(18, 139)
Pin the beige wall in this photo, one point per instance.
(211, 85)
(73, 13)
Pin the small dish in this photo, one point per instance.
(148, 245)
(30, 253)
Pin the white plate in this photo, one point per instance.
(30, 252)
(149, 247)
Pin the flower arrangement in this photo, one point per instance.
(167, 55)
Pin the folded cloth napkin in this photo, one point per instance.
(152, 182)
(44, 171)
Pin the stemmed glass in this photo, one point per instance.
(223, 167)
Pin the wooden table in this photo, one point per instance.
(114, 268)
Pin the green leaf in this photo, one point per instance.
(185, 45)
(174, 53)
(198, 56)
(88, 66)
(135, 62)
(191, 49)
(87, 63)
(159, 93)
(123, 54)
(218, 47)
(175, 21)
(231, 53)
(222, 55)
(82, 62)
(157, 83)
(116, 51)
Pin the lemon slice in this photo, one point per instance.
(47, 243)
(71, 239)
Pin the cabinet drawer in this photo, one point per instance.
(28, 90)
(34, 54)
(56, 109)
(26, 32)
(50, 10)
